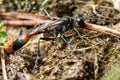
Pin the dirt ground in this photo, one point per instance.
(86, 61)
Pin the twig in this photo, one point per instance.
(84, 49)
(95, 12)
(102, 29)
(23, 22)
(3, 65)
(27, 16)
(51, 18)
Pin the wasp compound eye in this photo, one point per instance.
(79, 20)
(20, 42)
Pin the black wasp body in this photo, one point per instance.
(66, 24)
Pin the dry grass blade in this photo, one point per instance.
(95, 65)
(3, 65)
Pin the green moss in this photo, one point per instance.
(113, 74)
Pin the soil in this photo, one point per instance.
(58, 61)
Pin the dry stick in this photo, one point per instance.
(28, 16)
(102, 29)
(23, 22)
(3, 65)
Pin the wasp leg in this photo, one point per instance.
(47, 39)
(77, 32)
(50, 38)
(38, 54)
(63, 38)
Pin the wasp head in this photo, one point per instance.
(79, 20)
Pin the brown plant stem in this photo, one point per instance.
(27, 16)
(102, 29)
(3, 65)
(23, 22)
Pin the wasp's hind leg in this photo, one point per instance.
(38, 54)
